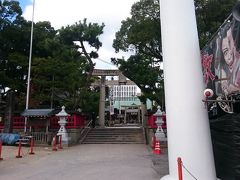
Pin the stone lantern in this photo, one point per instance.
(159, 133)
(62, 122)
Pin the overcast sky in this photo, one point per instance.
(63, 12)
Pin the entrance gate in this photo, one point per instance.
(122, 80)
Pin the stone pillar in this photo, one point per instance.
(102, 102)
(187, 120)
(8, 120)
(143, 114)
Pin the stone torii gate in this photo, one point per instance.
(122, 80)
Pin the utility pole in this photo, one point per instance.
(29, 67)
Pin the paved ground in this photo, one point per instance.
(160, 163)
(84, 162)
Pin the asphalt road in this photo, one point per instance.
(84, 162)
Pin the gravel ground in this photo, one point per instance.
(85, 162)
(9, 154)
(160, 163)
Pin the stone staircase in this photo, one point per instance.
(115, 136)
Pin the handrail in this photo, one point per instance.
(84, 132)
(89, 123)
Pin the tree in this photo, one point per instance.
(60, 67)
(80, 33)
(210, 16)
(147, 77)
(141, 34)
(9, 12)
(10, 39)
(65, 67)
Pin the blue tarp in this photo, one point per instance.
(8, 138)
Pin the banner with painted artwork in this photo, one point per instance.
(221, 58)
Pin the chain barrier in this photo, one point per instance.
(189, 172)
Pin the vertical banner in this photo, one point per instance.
(221, 59)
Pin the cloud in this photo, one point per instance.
(61, 13)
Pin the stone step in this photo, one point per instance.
(113, 139)
(117, 133)
(127, 140)
(114, 136)
(111, 142)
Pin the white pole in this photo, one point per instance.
(187, 120)
(29, 66)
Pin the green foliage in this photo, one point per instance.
(78, 34)
(62, 65)
(210, 15)
(141, 34)
(90, 101)
(147, 76)
(9, 11)
(59, 65)
(10, 39)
